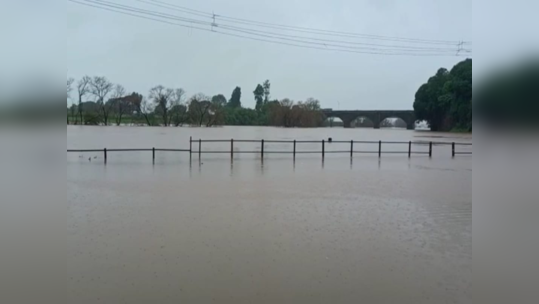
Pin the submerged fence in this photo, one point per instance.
(348, 147)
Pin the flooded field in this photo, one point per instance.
(212, 230)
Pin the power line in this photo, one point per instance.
(387, 48)
(274, 35)
(401, 47)
(176, 8)
(251, 31)
(328, 44)
(224, 18)
(141, 13)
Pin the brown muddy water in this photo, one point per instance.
(367, 230)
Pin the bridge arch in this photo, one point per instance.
(375, 116)
(394, 123)
(333, 122)
(362, 122)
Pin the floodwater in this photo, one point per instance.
(212, 230)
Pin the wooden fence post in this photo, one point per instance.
(153, 154)
(380, 149)
(430, 149)
(351, 148)
(410, 149)
(199, 148)
(294, 149)
(323, 149)
(105, 154)
(191, 145)
(453, 149)
(232, 148)
(262, 149)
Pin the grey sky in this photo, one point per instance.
(140, 53)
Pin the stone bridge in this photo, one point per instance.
(376, 117)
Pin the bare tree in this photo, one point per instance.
(101, 88)
(69, 86)
(141, 106)
(178, 111)
(145, 109)
(199, 109)
(83, 87)
(216, 114)
(164, 99)
(119, 103)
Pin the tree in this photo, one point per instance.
(142, 106)
(219, 99)
(310, 114)
(120, 106)
(458, 92)
(288, 114)
(72, 110)
(83, 87)
(101, 88)
(69, 86)
(199, 109)
(445, 101)
(267, 88)
(216, 115)
(235, 99)
(259, 97)
(164, 99)
(91, 119)
(178, 111)
(241, 117)
(428, 105)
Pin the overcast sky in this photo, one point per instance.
(140, 53)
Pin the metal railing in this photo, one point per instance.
(350, 148)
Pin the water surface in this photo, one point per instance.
(361, 230)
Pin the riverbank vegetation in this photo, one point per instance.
(109, 104)
(445, 101)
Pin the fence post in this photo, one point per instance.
(191, 145)
(410, 149)
(105, 154)
(232, 148)
(294, 149)
(380, 149)
(351, 148)
(262, 149)
(153, 154)
(430, 149)
(199, 148)
(453, 149)
(323, 148)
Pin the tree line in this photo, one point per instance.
(97, 101)
(445, 101)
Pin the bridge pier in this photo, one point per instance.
(376, 120)
(347, 122)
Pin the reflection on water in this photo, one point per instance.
(366, 230)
